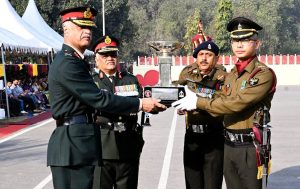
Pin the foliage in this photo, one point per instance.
(136, 22)
(191, 29)
(224, 15)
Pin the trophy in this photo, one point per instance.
(164, 90)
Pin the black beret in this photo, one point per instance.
(105, 44)
(207, 45)
(241, 27)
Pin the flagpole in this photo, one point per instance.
(103, 18)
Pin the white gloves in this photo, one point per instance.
(189, 102)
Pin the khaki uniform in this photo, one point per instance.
(204, 139)
(241, 104)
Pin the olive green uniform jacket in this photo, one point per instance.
(207, 86)
(242, 95)
(73, 92)
(127, 144)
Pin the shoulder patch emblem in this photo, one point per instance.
(253, 81)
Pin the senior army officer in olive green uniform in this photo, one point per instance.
(121, 136)
(247, 89)
(204, 137)
(74, 147)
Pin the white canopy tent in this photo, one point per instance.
(32, 17)
(12, 22)
(14, 42)
(11, 41)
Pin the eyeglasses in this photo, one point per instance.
(107, 54)
(244, 42)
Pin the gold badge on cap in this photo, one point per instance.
(107, 40)
(240, 27)
(209, 46)
(87, 13)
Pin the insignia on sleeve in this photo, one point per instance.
(253, 81)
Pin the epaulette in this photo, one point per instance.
(73, 54)
(220, 67)
(261, 67)
(67, 53)
(192, 70)
(123, 73)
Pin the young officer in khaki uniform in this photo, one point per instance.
(248, 88)
(121, 136)
(204, 137)
(74, 148)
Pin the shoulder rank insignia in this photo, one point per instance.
(253, 81)
(220, 77)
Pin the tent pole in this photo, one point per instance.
(5, 82)
(48, 58)
(52, 55)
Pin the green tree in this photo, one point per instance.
(224, 15)
(19, 5)
(191, 29)
(289, 28)
(267, 16)
(48, 11)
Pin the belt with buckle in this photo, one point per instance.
(239, 137)
(199, 128)
(118, 126)
(76, 119)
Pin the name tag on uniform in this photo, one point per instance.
(127, 90)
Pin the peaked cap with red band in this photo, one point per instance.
(81, 16)
(105, 44)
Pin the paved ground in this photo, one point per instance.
(23, 157)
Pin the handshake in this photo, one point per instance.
(160, 98)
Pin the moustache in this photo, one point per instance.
(204, 62)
